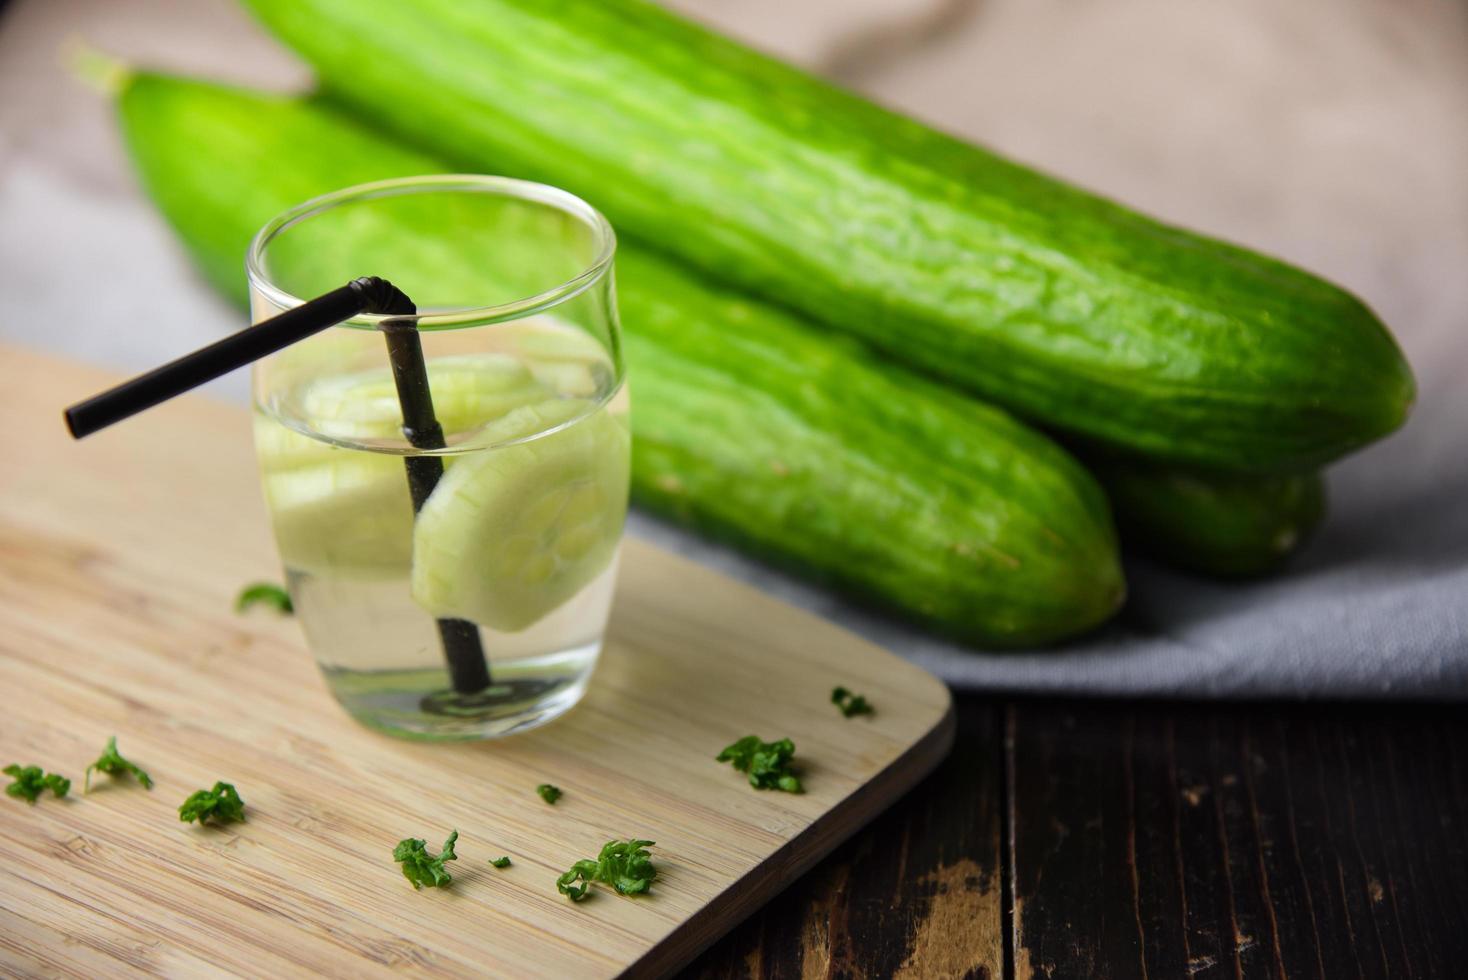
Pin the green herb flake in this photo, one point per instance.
(850, 704)
(548, 792)
(220, 804)
(767, 763)
(500, 862)
(574, 884)
(422, 868)
(29, 782)
(115, 765)
(624, 865)
(266, 593)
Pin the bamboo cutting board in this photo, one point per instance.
(119, 559)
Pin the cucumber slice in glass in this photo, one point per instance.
(468, 391)
(348, 514)
(340, 512)
(562, 357)
(512, 533)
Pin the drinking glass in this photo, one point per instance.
(472, 604)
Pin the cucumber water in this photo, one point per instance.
(519, 537)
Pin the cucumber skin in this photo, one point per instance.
(748, 426)
(1064, 307)
(1227, 526)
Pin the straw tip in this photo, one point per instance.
(382, 297)
(73, 423)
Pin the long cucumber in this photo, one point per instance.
(747, 423)
(1064, 307)
(1232, 526)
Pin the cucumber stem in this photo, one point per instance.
(99, 70)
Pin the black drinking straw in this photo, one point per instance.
(468, 668)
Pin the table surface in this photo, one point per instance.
(1060, 839)
(1148, 840)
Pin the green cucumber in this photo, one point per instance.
(1064, 307)
(1232, 526)
(748, 424)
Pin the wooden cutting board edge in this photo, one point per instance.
(799, 854)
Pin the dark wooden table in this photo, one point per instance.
(1151, 840)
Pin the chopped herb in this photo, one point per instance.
(267, 593)
(582, 871)
(30, 782)
(115, 765)
(500, 862)
(767, 763)
(422, 868)
(625, 865)
(850, 704)
(220, 804)
(548, 792)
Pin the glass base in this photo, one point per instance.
(417, 704)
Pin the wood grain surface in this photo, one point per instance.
(119, 558)
(1171, 841)
(1153, 840)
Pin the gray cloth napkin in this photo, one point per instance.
(1330, 133)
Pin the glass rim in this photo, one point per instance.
(509, 187)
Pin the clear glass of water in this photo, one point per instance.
(507, 565)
